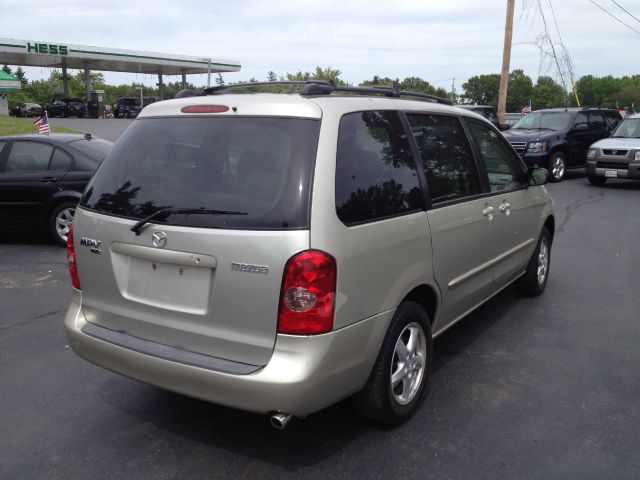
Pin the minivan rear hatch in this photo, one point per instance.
(221, 203)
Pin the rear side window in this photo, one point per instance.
(375, 172)
(612, 119)
(29, 157)
(446, 156)
(258, 167)
(596, 120)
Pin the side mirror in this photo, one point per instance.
(538, 176)
(504, 127)
(581, 126)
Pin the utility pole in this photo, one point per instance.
(453, 88)
(506, 58)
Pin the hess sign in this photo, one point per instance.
(47, 48)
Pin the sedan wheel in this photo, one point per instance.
(60, 222)
(543, 261)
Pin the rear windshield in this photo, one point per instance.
(260, 168)
(130, 102)
(95, 148)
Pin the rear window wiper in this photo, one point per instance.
(137, 228)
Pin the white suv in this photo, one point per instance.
(280, 252)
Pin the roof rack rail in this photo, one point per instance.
(319, 87)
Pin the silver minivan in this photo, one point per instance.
(280, 252)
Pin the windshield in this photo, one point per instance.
(628, 128)
(260, 166)
(131, 102)
(544, 120)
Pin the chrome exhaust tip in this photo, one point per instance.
(280, 420)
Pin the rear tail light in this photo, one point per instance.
(308, 294)
(71, 259)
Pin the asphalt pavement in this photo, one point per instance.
(107, 128)
(542, 388)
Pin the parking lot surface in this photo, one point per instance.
(107, 128)
(542, 388)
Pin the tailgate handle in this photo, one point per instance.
(173, 257)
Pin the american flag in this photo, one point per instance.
(43, 124)
(526, 109)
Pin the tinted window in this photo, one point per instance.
(95, 148)
(28, 157)
(260, 167)
(446, 156)
(2, 144)
(612, 119)
(375, 172)
(60, 161)
(502, 165)
(596, 120)
(581, 119)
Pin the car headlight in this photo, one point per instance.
(591, 153)
(537, 147)
(636, 157)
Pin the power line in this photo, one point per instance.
(613, 16)
(625, 10)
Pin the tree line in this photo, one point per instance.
(483, 89)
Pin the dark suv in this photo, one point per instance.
(66, 107)
(127, 107)
(559, 138)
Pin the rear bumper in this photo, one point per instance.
(304, 374)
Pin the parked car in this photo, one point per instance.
(127, 107)
(510, 119)
(30, 110)
(42, 178)
(66, 107)
(279, 252)
(559, 138)
(487, 111)
(617, 156)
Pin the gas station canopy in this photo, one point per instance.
(37, 53)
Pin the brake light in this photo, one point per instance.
(204, 109)
(307, 299)
(71, 259)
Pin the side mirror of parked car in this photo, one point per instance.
(538, 176)
(581, 126)
(504, 127)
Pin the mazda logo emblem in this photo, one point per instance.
(159, 239)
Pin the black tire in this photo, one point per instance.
(531, 284)
(60, 221)
(379, 400)
(557, 167)
(594, 180)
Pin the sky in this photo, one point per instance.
(437, 40)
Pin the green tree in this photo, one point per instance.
(519, 92)
(547, 93)
(7, 69)
(482, 89)
(21, 76)
(272, 76)
(594, 91)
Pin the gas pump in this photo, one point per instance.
(96, 104)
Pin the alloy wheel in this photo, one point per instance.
(408, 363)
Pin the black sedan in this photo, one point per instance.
(66, 107)
(42, 178)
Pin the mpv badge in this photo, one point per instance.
(159, 239)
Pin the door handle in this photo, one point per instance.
(47, 179)
(488, 212)
(505, 208)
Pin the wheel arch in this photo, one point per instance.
(427, 297)
(550, 223)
